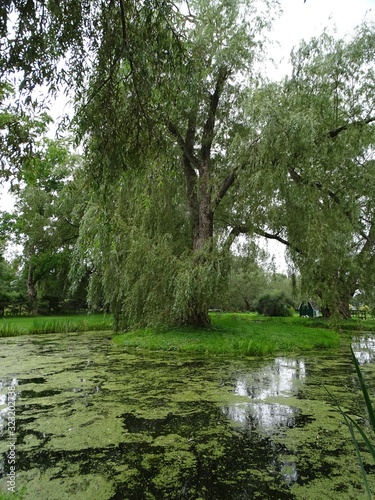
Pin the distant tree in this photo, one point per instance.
(277, 304)
(252, 275)
(7, 276)
(246, 282)
(47, 222)
(20, 129)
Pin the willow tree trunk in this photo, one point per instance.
(197, 169)
(202, 245)
(340, 305)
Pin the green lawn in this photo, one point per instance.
(54, 324)
(233, 334)
(236, 335)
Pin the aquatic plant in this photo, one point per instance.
(353, 425)
(98, 421)
(17, 495)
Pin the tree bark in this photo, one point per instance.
(197, 172)
(198, 317)
(341, 307)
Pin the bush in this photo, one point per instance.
(277, 304)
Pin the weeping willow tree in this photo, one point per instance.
(161, 159)
(138, 247)
(317, 148)
(158, 89)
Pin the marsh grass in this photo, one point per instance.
(350, 325)
(234, 335)
(11, 327)
(355, 429)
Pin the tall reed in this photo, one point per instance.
(354, 426)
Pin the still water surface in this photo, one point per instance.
(94, 421)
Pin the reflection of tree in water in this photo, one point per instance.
(282, 378)
(173, 444)
(364, 350)
(268, 417)
(209, 458)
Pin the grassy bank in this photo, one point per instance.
(236, 335)
(10, 327)
(232, 334)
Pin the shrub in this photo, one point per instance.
(277, 304)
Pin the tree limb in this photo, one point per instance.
(270, 236)
(76, 226)
(225, 185)
(125, 41)
(183, 144)
(298, 179)
(190, 164)
(123, 25)
(246, 229)
(208, 129)
(370, 239)
(359, 123)
(191, 175)
(230, 179)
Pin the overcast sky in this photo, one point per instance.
(303, 20)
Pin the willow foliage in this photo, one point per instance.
(317, 140)
(136, 250)
(159, 121)
(186, 148)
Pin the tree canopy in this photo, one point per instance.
(319, 139)
(165, 151)
(187, 147)
(45, 221)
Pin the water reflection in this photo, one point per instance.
(267, 416)
(364, 350)
(289, 472)
(282, 378)
(137, 425)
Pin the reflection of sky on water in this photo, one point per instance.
(266, 416)
(364, 350)
(281, 378)
(289, 472)
(278, 379)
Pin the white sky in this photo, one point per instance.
(299, 20)
(302, 20)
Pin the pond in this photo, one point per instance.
(94, 421)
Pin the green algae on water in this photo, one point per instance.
(95, 421)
